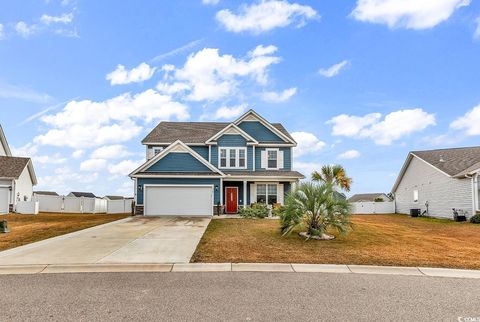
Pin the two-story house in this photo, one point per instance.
(201, 168)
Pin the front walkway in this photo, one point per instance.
(132, 240)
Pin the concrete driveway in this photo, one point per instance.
(133, 240)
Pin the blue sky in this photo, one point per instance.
(359, 83)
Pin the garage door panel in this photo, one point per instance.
(178, 200)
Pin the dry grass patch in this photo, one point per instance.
(375, 240)
(26, 229)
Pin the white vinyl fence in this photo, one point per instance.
(119, 206)
(27, 207)
(75, 205)
(367, 208)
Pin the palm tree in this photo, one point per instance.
(334, 175)
(314, 207)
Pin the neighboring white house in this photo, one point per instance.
(17, 177)
(438, 180)
(81, 194)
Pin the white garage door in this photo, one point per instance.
(163, 200)
(4, 193)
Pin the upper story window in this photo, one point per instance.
(272, 159)
(157, 150)
(233, 158)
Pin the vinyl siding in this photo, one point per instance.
(178, 162)
(202, 150)
(259, 132)
(188, 181)
(442, 192)
(231, 140)
(287, 158)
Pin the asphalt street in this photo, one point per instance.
(236, 296)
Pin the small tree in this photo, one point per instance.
(315, 208)
(379, 199)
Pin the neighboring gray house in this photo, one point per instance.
(442, 179)
(368, 197)
(45, 193)
(81, 194)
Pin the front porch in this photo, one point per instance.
(237, 194)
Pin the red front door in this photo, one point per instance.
(231, 195)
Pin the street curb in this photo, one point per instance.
(240, 267)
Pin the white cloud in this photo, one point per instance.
(23, 93)
(394, 126)
(176, 51)
(121, 76)
(77, 154)
(262, 50)
(25, 30)
(30, 150)
(411, 14)
(476, 34)
(64, 179)
(469, 123)
(307, 167)
(350, 125)
(110, 152)
(266, 15)
(226, 112)
(93, 165)
(66, 18)
(211, 2)
(83, 124)
(334, 69)
(307, 143)
(124, 167)
(209, 76)
(348, 155)
(278, 97)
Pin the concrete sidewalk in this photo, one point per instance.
(240, 267)
(131, 240)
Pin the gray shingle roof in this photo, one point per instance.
(83, 194)
(454, 161)
(12, 167)
(266, 173)
(46, 193)
(114, 197)
(191, 132)
(367, 197)
(193, 174)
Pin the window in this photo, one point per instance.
(272, 194)
(223, 158)
(241, 158)
(261, 193)
(157, 150)
(233, 158)
(272, 159)
(267, 193)
(415, 195)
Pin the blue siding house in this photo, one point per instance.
(206, 168)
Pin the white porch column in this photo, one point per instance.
(244, 193)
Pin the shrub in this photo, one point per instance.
(278, 210)
(475, 219)
(256, 210)
(379, 199)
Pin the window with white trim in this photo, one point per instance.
(272, 159)
(233, 158)
(157, 150)
(267, 193)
